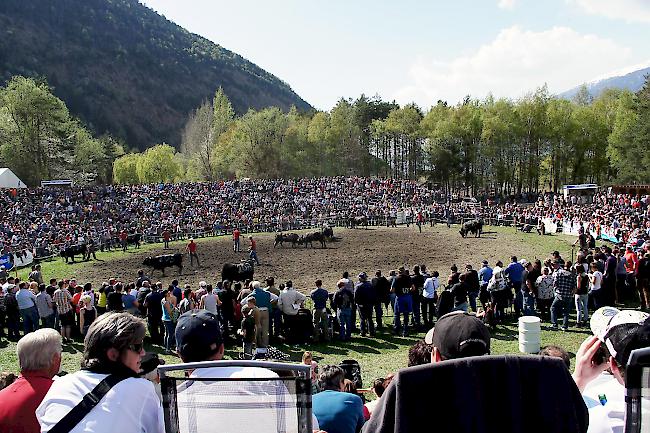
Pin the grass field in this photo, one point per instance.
(379, 355)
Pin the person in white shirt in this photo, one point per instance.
(429, 298)
(113, 346)
(616, 334)
(596, 292)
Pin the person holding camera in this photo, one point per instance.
(601, 362)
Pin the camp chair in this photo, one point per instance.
(197, 400)
(637, 391)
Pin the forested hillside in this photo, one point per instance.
(125, 70)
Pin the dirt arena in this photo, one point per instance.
(357, 250)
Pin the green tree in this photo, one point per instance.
(158, 165)
(125, 169)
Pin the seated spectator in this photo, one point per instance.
(336, 411)
(39, 356)
(556, 352)
(378, 388)
(112, 355)
(419, 354)
(6, 379)
(616, 335)
(199, 338)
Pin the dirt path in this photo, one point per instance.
(358, 250)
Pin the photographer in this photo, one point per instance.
(601, 361)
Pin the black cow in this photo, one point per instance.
(475, 227)
(238, 271)
(134, 239)
(291, 238)
(358, 221)
(313, 237)
(74, 250)
(165, 261)
(328, 233)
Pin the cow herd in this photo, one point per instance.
(327, 234)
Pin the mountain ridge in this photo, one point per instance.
(124, 69)
(632, 81)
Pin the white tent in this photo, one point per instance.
(9, 180)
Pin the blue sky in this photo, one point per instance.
(422, 51)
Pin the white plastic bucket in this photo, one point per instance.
(529, 334)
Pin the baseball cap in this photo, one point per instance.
(459, 335)
(363, 276)
(198, 335)
(485, 262)
(203, 284)
(621, 331)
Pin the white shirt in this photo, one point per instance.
(431, 285)
(130, 406)
(596, 280)
(290, 300)
(204, 405)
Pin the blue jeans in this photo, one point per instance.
(345, 323)
(253, 255)
(582, 310)
(170, 334)
(519, 298)
(560, 306)
(472, 300)
(30, 319)
(416, 309)
(47, 322)
(275, 322)
(403, 306)
(528, 301)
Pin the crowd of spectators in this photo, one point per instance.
(45, 220)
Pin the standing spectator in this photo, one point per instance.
(102, 299)
(3, 313)
(44, 304)
(114, 299)
(275, 314)
(403, 302)
(130, 302)
(336, 411)
(459, 291)
(608, 285)
(290, 302)
(249, 324)
(169, 317)
(36, 275)
(252, 250)
(484, 276)
(13, 313)
(596, 291)
(382, 293)
(364, 297)
(166, 236)
(643, 280)
(514, 272)
(235, 240)
(582, 296)
(621, 276)
(545, 294)
(187, 303)
(263, 301)
(88, 314)
(429, 298)
(343, 300)
(27, 306)
(417, 283)
(64, 309)
(529, 289)
(191, 251)
(563, 287)
(473, 285)
(320, 296)
(350, 286)
(39, 357)
(114, 346)
(152, 303)
(124, 236)
(210, 301)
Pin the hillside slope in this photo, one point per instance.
(126, 70)
(632, 82)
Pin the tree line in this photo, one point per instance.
(537, 142)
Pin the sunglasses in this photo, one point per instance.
(136, 347)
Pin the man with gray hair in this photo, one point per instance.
(39, 356)
(121, 401)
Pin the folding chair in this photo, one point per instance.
(637, 391)
(203, 397)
